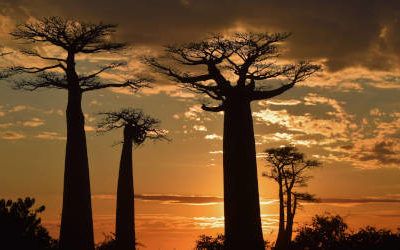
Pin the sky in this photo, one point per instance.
(347, 116)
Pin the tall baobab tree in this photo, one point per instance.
(234, 71)
(288, 167)
(72, 37)
(137, 129)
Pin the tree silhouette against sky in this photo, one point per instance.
(288, 167)
(4, 73)
(137, 128)
(73, 38)
(234, 71)
(21, 227)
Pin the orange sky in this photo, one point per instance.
(348, 117)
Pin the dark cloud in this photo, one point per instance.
(198, 200)
(384, 152)
(346, 33)
(359, 200)
(178, 199)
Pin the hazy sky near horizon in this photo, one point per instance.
(347, 116)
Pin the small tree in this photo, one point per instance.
(288, 168)
(233, 71)
(72, 37)
(3, 73)
(21, 226)
(137, 129)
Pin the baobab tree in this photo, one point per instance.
(73, 38)
(137, 128)
(233, 71)
(288, 168)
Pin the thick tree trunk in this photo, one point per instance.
(281, 232)
(125, 220)
(76, 232)
(241, 199)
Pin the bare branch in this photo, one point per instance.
(34, 70)
(295, 73)
(212, 109)
(71, 35)
(134, 85)
(42, 80)
(30, 52)
(101, 70)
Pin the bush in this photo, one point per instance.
(329, 232)
(21, 228)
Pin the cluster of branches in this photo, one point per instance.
(73, 37)
(251, 57)
(137, 126)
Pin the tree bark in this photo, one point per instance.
(76, 232)
(125, 217)
(289, 219)
(241, 199)
(289, 227)
(281, 232)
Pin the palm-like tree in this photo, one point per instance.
(138, 128)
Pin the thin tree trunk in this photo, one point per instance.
(125, 221)
(281, 232)
(289, 219)
(242, 207)
(289, 227)
(76, 232)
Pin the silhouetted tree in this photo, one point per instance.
(72, 37)
(329, 232)
(4, 73)
(288, 168)
(233, 71)
(137, 129)
(21, 226)
(370, 238)
(206, 242)
(110, 243)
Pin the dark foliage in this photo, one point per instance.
(330, 232)
(138, 127)
(21, 228)
(110, 243)
(206, 242)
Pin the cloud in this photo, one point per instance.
(6, 125)
(12, 135)
(364, 35)
(384, 152)
(50, 136)
(279, 102)
(89, 128)
(216, 152)
(169, 199)
(193, 113)
(18, 108)
(34, 122)
(199, 128)
(213, 137)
